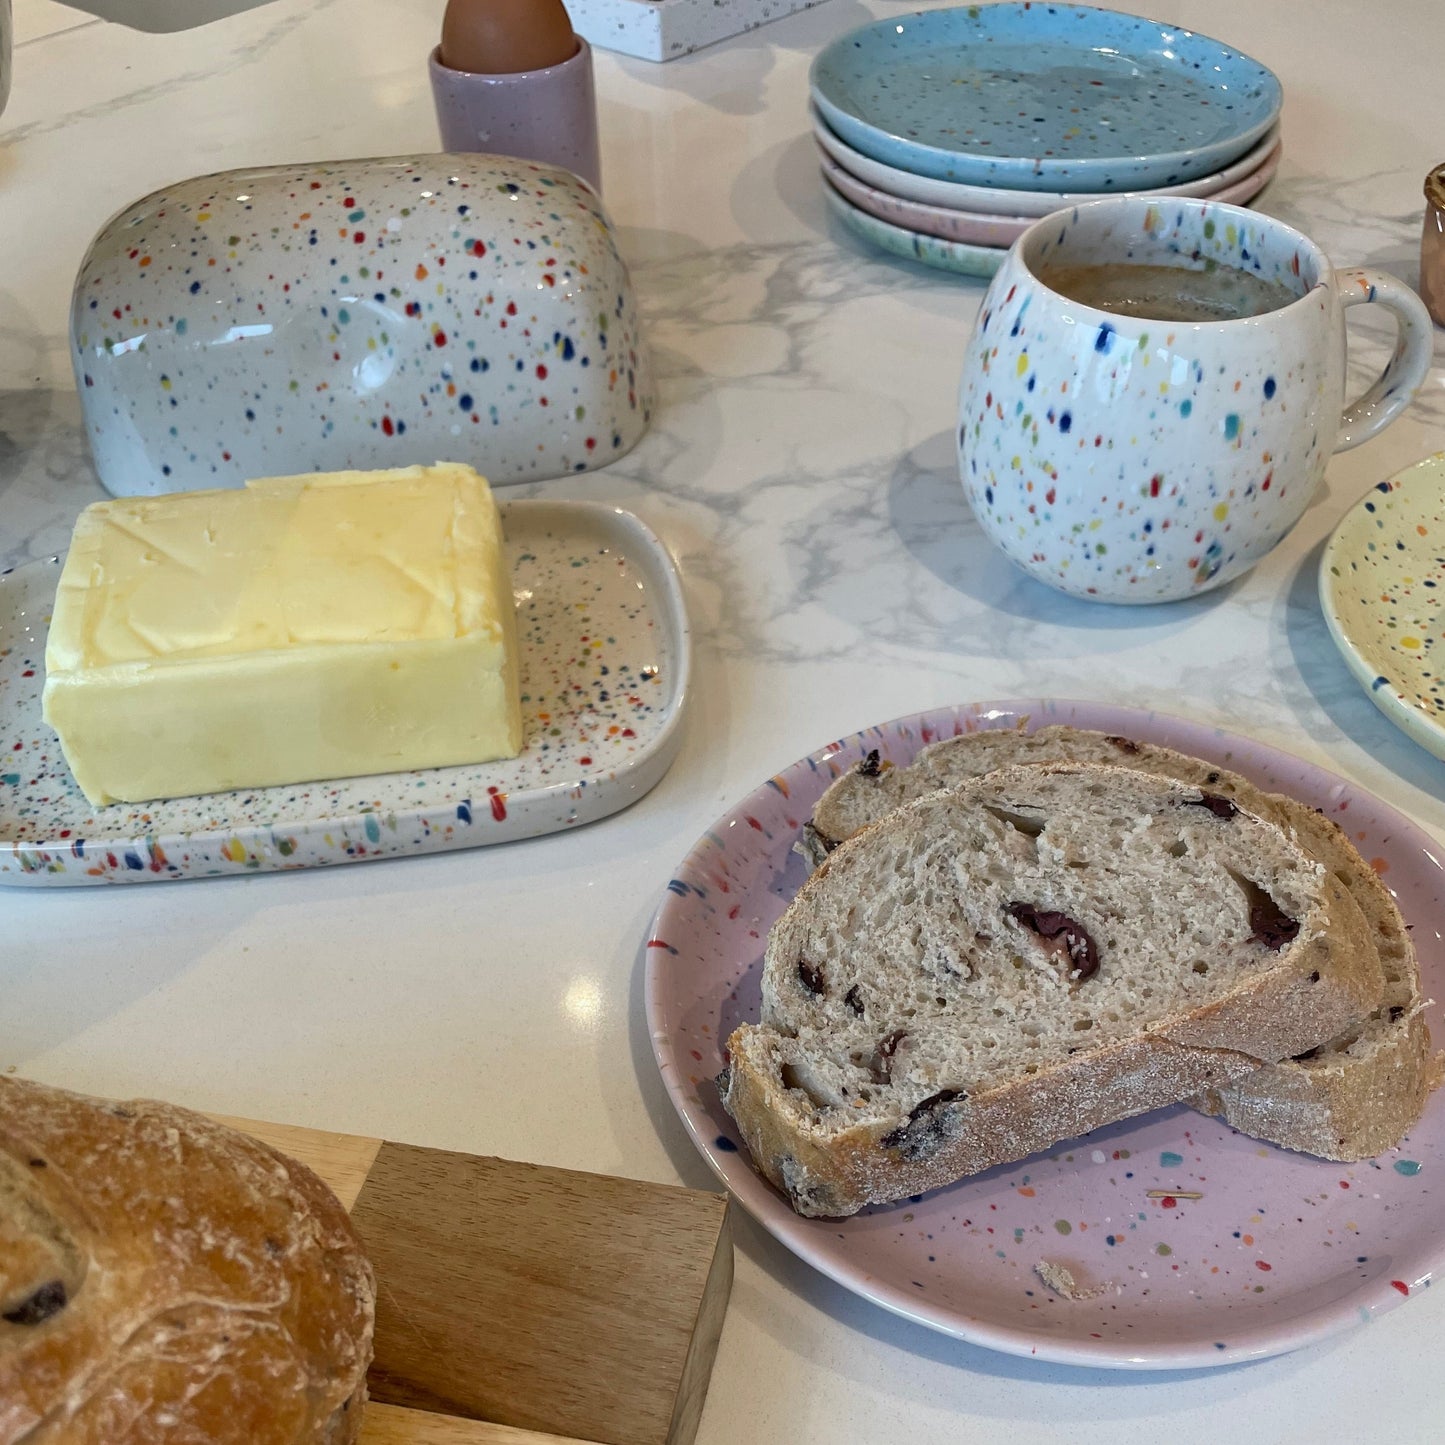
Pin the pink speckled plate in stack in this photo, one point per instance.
(981, 228)
(1207, 1247)
(1228, 184)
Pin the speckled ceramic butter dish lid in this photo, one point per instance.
(358, 314)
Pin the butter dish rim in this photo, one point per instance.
(490, 812)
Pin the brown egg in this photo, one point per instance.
(500, 37)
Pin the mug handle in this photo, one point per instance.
(1403, 375)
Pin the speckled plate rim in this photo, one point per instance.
(826, 1250)
(1130, 169)
(957, 257)
(1368, 656)
(969, 228)
(983, 228)
(529, 812)
(1026, 205)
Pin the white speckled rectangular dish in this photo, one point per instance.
(605, 657)
(665, 29)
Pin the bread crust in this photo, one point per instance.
(170, 1281)
(1347, 1106)
(836, 1175)
(1358, 1094)
(1327, 977)
(1355, 1096)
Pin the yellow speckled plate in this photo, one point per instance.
(1382, 587)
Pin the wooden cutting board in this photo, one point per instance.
(519, 1305)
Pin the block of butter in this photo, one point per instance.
(302, 628)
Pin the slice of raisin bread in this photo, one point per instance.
(1359, 1093)
(1351, 1098)
(1041, 951)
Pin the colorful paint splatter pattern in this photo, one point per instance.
(366, 313)
(1135, 460)
(605, 656)
(1382, 584)
(1206, 1247)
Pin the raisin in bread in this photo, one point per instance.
(165, 1280)
(1354, 1096)
(1044, 950)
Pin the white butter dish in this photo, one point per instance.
(604, 662)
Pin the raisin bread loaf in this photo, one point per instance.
(1354, 1096)
(168, 1281)
(1043, 950)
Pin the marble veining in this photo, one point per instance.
(851, 538)
(278, 28)
(801, 469)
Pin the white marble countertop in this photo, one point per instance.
(801, 467)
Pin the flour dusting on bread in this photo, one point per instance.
(165, 1280)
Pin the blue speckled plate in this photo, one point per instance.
(956, 256)
(1382, 587)
(1043, 97)
(604, 654)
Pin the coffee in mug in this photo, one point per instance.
(1153, 390)
(1169, 293)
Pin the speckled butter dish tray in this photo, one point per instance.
(605, 656)
(1382, 588)
(1190, 1244)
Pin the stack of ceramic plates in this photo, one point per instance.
(944, 135)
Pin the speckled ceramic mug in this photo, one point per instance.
(1128, 459)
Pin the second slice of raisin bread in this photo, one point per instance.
(1357, 1094)
(1039, 952)
(1354, 1096)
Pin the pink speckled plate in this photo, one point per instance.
(1277, 1251)
(604, 665)
(981, 228)
(975, 229)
